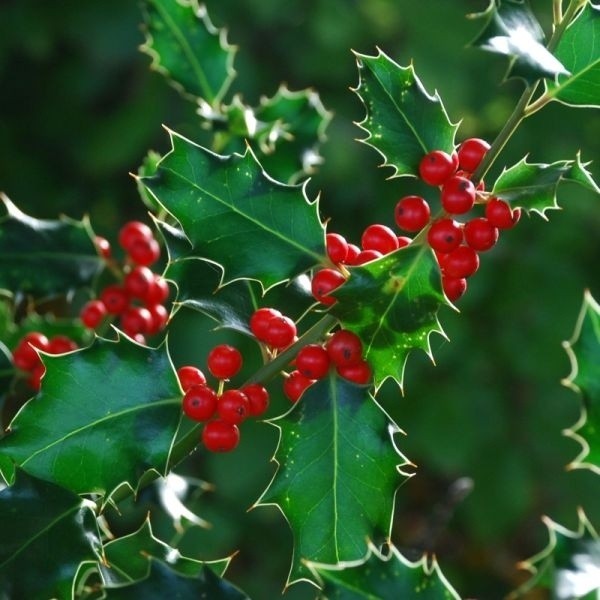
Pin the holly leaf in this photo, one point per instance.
(569, 566)
(35, 516)
(187, 49)
(338, 473)
(392, 305)
(45, 257)
(584, 353)
(513, 30)
(403, 122)
(148, 168)
(381, 576)
(533, 186)
(128, 558)
(233, 214)
(104, 416)
(162, 582)
(579, 51)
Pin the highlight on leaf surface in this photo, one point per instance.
(583, 350)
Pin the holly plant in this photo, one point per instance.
(308, 325)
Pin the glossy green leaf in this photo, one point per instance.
(128, 558)
(392, 305)
(148, 168)
(338, 473)
(569, 566)
(47, 532)
(45, 257)
(403, 122)
(579, 52)
(104, 416)
(236, 216)
(163, 582)
(513, 30)
(533, 186)
(584, 352)
(187, 49)
(383, 577)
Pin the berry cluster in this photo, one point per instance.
(138, 301)
(221, 410)
(26, 358)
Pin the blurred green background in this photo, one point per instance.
(79, 108)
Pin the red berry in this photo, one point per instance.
(133, 231)
(500, 214)
(359, 372)
(444, 235)
(353, 252)
(295, 384)
(160, 318)
(454, 287)
(35, 378)
(480, 234)
(379, 237)
(436, 167)
(403, 241)
(324, 282)
(233, 406)
(220, 436)
(189, 376)
(92, 313)
(144, 252)
(344, 348)
(258, 399)
(461, 262)
(136, 319)
(337, 247)
(313, 361)
(367, 256)
(458, 195)
(412, 213)
(103, 246)
(140, 338)
(280, 332)
(259, 321)
(59, 344)
(200, 403)
(24, 355)
(138, 281)
(224, 361)
(158, 291)
(115, 299)
(471, 153)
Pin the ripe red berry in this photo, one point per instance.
(403, 241)
(158, 291)
(136, 319)
(280, 333)
(138, 281)
(258, 399)
(444, 235)
(460, 263)
(115, 299)
(59, 344)
(24, 355)
(412, 213)
(199, 403)
(103, 246)
(454, 287)
(366, 256)
(337, 247)
(224, 361)
(313, 361)
(295, 384)
(344, 348)
(160, 317)
(133, 231)
(233, 406)
(380, 238)
(35, 378)
(220, 436)
(480, 234)
(359, 372)
(324, 282)
(471, 153)
(500, 214)
(436, 167)
(144, 252)
(458, 195)
(259, 321)
(92, 313)
(353, 252)
(189, 376)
